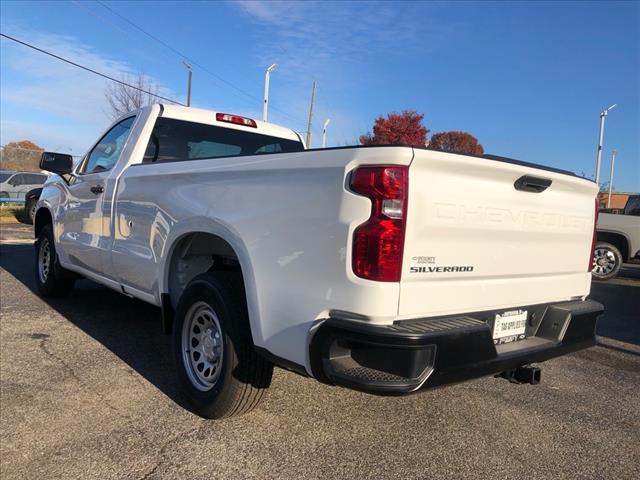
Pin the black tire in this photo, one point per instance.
(243, 376)
(607, 261)
(30, 210)
(57, 281)
(4, 195)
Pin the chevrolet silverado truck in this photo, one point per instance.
(618, 240)
(386, 269)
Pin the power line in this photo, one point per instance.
(190, 60)
(89, 69)
(112, 23)
(180, 54)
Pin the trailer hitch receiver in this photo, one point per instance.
(525, 374)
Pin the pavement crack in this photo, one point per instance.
(43, 346)
(161, 453)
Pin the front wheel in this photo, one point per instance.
(607, 261)
(217, 365)
(51, 279)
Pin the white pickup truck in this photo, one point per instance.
(386, 269)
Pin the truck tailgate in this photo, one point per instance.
(474, 242)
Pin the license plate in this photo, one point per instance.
(509, 326)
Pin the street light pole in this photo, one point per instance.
(313, 96)
(188, 83)
(603, 116)
(324, 132)
(613, 161)
(267, 74)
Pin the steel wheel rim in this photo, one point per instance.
(604, 261)
(44, 260)
(202, 346)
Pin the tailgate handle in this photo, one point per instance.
(529, 183)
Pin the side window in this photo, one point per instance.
(17, 180)
(106, 153)
(633, 206)
(35, 179)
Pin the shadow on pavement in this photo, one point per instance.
(127, 327)
(630, 271)
(621, 319)
(131, 328)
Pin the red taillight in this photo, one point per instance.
(379, 242)
(227, 117)
(594, 237)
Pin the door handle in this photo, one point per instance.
(97, 189)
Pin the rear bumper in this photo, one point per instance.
(410, 355)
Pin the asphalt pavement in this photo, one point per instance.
(87, 390)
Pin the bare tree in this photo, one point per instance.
(123, 99)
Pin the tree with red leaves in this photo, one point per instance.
(404, 128)
(456, 142)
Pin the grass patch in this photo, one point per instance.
(10, 212)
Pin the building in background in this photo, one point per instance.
(618, 199)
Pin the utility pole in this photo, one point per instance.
(188, 83)
(324, 132)
(603, 116)
(313, 96)
(613, 161)
(267, 75)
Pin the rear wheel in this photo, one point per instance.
(217, 365)
(51, 279)
(607, 261)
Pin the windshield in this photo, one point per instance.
(4, 177)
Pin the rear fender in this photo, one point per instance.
(219, 228)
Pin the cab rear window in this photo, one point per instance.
(177, 140)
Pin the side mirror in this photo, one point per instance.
(60, 163)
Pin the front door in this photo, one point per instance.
(82, 238)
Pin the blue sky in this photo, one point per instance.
(527, 79)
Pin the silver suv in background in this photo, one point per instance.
(618, 240)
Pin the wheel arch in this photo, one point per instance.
(188, 252)
(43, 217)
(617, 239)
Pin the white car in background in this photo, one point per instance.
(17, 184)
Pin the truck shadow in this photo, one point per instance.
(621, 318)
(131, 328)
(127, 327)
